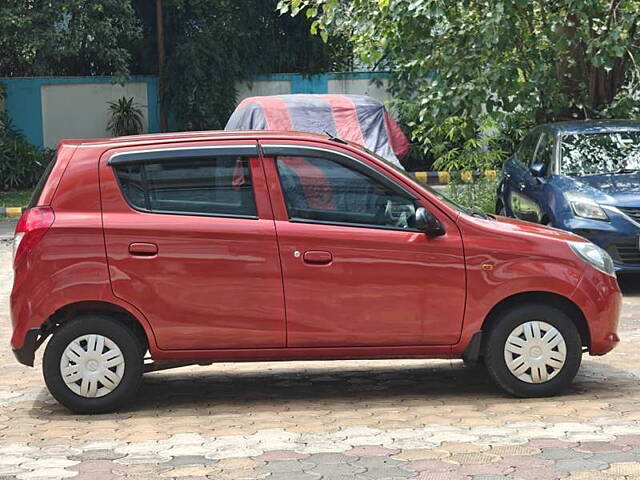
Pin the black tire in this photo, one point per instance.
(496, 338)
(114, 330)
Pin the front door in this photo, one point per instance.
(191, 243)
(355, 272)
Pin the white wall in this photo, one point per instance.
(81, 111)
(359, 86)
(267, 87)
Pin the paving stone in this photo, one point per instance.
(96, 455)
(328, 458)
(429, 466)
(626, 468)
(292, 476)
(370, 463)
(576, 465)
(598, 447)
(471, 458)
(615, 457)
(509, 450)
(563, 454)
(274, 455)
(188, 460)
(332, 469)
(93, 466)
(371, 451)
(490, 477)
(287, 466)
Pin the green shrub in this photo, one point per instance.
(126, 117)
(21, 163)
(480, 193)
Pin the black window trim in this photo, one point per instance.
(348, 161)
(181, 153)
(339, 157)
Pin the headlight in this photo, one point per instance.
(585, 207)
(594, 256)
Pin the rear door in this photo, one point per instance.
(191, 243)
(355, 272)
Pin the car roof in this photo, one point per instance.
(171, 137)
(591, 126)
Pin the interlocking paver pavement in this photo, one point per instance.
(364, 420)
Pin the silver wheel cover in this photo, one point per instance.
(92, 366)
(535, 352)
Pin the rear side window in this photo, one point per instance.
(41, 183)
(219, 186)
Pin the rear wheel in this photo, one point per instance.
(93, 364)
(533, 351)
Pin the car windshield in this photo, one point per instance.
(411, 176)
(598, 153)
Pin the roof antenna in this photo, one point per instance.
(334, 137)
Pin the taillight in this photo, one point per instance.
(32, 226)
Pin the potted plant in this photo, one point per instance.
(126, 117)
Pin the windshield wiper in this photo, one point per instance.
(627, 170)
(477, 212)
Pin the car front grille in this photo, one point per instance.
(633, 212)
(627, 253)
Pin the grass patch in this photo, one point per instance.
(480, 193)
(16, 198)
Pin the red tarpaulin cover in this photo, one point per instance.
(356, 118)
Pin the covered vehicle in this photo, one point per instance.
(355, 118)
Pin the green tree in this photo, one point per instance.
(468, 69)
(211, 44)
(66, 37)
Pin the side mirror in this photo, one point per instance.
(538, 170)
(429, 224)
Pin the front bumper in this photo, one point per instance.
(619, 237)
(598, 296)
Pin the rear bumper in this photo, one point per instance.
(26, 353)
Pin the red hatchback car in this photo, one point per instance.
(148, 252)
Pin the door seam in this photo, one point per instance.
(275, 229)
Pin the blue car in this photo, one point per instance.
(581, 176)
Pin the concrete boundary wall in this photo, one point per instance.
(46, 109)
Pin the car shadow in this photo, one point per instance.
(225, 389)
(629, 284)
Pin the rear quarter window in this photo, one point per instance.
(217, 186)
(37, 192)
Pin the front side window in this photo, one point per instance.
(323, 190)
(544, 153)
(597, 153)
(204, 186)
(528, 147)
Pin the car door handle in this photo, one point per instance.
(317, 257)
(142, 249)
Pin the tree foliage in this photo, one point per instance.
(21, 164)
(66, 37)
(212, 44)
(460, 65)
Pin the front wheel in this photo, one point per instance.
(93, 364)
(533, 351)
